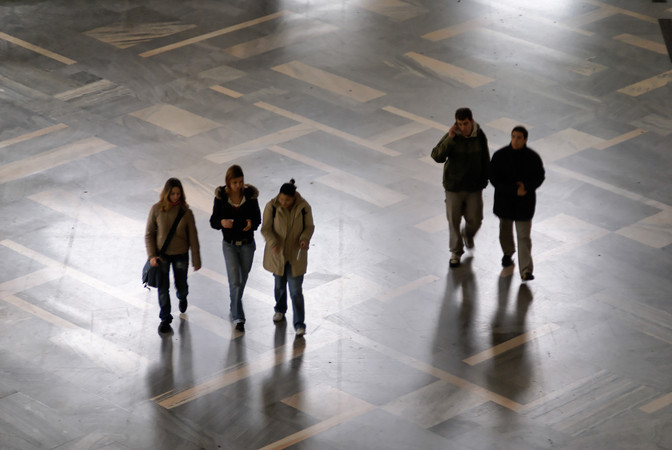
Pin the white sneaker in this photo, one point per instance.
(278, 316)
(300, 332)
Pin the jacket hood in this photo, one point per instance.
(250, 192)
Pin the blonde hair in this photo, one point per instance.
(164, 199)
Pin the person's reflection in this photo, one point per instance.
(458, 306)
(511, 371)
(285, 379)
(185, 360)
(160, 378)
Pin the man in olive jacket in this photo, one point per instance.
(465, 156)
(516, 172)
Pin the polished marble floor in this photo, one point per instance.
(101, 101)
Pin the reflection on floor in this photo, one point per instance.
(101, 101)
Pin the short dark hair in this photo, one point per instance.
(463, 114)
(520, 129)
(289, 189)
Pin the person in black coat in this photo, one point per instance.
(516, 172)
(236, 212)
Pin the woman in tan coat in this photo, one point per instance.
(287, 227)
(160, 220)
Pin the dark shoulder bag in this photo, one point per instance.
(150, 274)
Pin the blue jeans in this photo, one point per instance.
(180, 265)
(295, 291)
(238, 260)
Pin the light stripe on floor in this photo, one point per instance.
(511, 344)
(455, 30)
(657, 404)
(419, 119)
(346, 182)
(53, 158)
(226, 91)
(329, 81)
(36, 49)
(246, 148)
(619, 139)
(102, 352)
(648, 85)
(284, 38)
(327, 129)
(64, 270)
(34, 134)
(263, 362)
(213, 34)
(409, 287)
(89, 213)
(318, 428)
(447, 70)
(646, 44)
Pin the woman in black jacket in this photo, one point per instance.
(236, 212)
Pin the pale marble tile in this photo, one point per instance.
(361, 188)
(53, 158)
(343, 292)
(281, 39)
(655, 123)
(329, 130)
(434, 404)
(409, 287)
(34, 134)
(395, 10)
(657, 404)
(619, 139)
(648, 85)
(571, 231)
(125, 35)
(443, 69)
(433, 224)
(122, 294)
(246, 148)
(564, 143)
(419, 119)
(399, 133)
(506, 124)
(591, 16)
(624, 11)
(646, 44)
(455, 30)
(36, 49)
(329, 81)
(212, 34)
(566, 60)
(89, 213)
(654, 231)
(28, 281)
(345, 182)
(225, 91)
(101, 352)
(324, 401)
(176, 120)
(511, 344)
(99, 89)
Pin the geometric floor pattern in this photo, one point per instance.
(102, 101)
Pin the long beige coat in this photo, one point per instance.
(286, 228)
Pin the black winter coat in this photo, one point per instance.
(507, 167)
(249, 209)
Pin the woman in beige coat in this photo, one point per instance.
(287, 226)
(160, 220)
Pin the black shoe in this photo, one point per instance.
(183, 306)
(454, 260)
(164, 327)
(527, 276)
(240, 326)
(506, 261)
